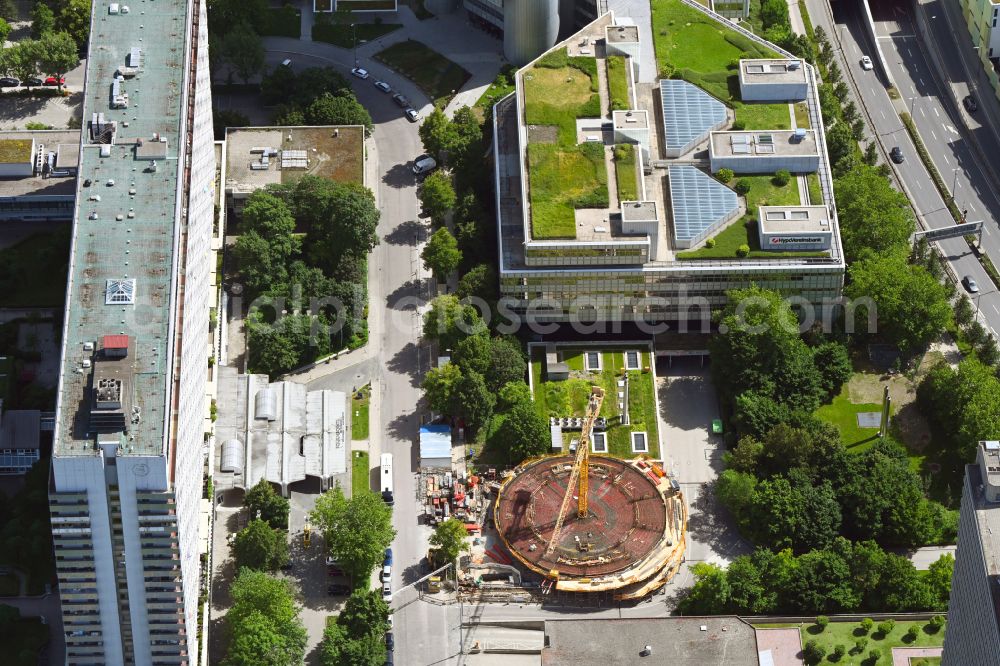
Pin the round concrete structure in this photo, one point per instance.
(633, 528)
(530, 28)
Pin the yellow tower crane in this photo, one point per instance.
(579, 472)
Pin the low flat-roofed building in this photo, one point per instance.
(773, 80)
(677, 641)
(765, 151)
(20, 440)
(622, 39)
(37, 174)
(281, 432)
(794, 227)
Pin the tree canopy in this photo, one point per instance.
(441, 254)
(449, 321)
(962, 405)
(262, 502)
(437, 196)
(451, 538)
(328, 109)
(874, 217)
(263, 621)
(357, 530)
(243, 49)
(259, 546)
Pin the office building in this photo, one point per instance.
(132, 413)
(38, 174)
(531, 27)
(973, 632)
(638, 238)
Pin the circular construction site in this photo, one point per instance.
(631, 536)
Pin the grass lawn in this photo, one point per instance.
(359, 412)
(284, 21)
(360, 472)
(33, 271)
(842, 413)
(561, 180)
(628, 187)
(437, 76)
(500, 88)
(763, 192)
(802, 115)
(569, 397)
(560, 89)
(815, 191)
(9, 586)
(342, 35)
(846, 633)
(763, 116)
(618, 83)
(25, 639)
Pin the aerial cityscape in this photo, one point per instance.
(499, 332)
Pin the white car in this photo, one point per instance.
(424, 164)
(866, 63)
(412, 115)
(360, 73)
(383, 86)
(386, 591)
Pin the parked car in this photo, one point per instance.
(33, 81)
(401, 100)
(390, 642)
(424, 164)
(866, 63)
(386, 591)
(970, 284)
(896, 155)
(342, 590)
(9, 82)
(412, 115)
(360, 73)
(55, 81)
(383, 86)
(334, 571)
(970, 104)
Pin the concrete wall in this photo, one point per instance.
(530, 28)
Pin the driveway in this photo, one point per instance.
(17, 109)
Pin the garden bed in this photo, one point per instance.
(284, 21)
(342, 35)
(438, 77)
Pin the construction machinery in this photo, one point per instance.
(579, 479)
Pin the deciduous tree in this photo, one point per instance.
(437, 196)
(259, 546)
(262, 502)
(441, 254)
(263, 621)
(243, 49)
(357, 530)
(451, 538)
(328, 109)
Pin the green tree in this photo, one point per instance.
(834, 364)
(522, 432)
(441, 254)
(479, 282)
(438, 134)
(866, 625)
(268, 243)
(259, 546)
(263, 621)
(365, 612)
(939, 580)
(8, 11)
(4, 30)
(270, 351)
(475, 401)
(43, 21)
(223, 118)
(773, 13)
(338, 648)
(440, 387)
(964, 313)
(262, 502)
(473, 354)
(74, 18)
(912, 306)
(794, 514)
(225, 15)
(736, 491)
(885, 627)
(840, 143)
(448, 321)
(437, 196)
(710, 594)
(813, 652)
(874, 217)
(341, 219)
(342, 110)
(451, 538)
(243, 49)
(357, 530)
(512, 394)
(57, 54)
(506, 364)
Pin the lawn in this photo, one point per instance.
(23, 641)
(763, 192)
(842, 413)
(562, 180)
(359, 412)
(628, 187)
(342, 35)
(33, 271)
(284, 21)
(437, 76)
(802, 115)
(360, 472)
(570, 397)
(763, 116)
(502, 86)
(815, 191)
(618, 83)
(847, 633)
(560, 89)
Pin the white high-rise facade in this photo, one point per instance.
(132, 409)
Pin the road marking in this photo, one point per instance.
(922, 112)
(951, 129)
(882, 112)
(986, 229)
(921, 82)
(936, 113)
(995, 308)
(946, 161)
(934, 135)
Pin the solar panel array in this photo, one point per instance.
(698, 202)
(689, 113)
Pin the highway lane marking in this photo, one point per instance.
(951, 129)
(922, 112)
(921, 82)
(995, 308)
(934, 135)
(936, 112)
(946, 160)
(881, 111)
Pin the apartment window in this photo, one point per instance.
(639, 443)
(599, 442)
(632, 360)
(593, 360)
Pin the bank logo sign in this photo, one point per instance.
(796, 240)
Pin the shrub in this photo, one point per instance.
(860, 645)
(743, 250)
(822, 621)
(710, 243)
(912, 633)
(874, 656)
(838, 652)
(936, 623)
(885, 627)
(867, 624)
(725, 175)
(813, 652)
(781, 178)
(739, 125)
(742, 186)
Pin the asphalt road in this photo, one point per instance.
(939, 130)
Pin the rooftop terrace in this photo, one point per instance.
(63, 145)
(125, 227)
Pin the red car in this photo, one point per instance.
(53, 81)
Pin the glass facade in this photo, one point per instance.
(17, 461)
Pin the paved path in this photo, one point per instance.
(784, 644)
(902, 656)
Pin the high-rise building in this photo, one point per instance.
(973, 633)
(132, 411)
(531, 27)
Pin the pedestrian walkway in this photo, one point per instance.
(906, 656)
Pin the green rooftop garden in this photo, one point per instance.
(625, 175)
(618, 83)
(15, 150)
(852, 636)
(763, 191)
(360, 473)
(569, 397)
(563, 175)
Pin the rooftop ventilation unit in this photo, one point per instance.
(794, 65)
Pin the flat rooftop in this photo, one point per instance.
(988, 522)
(764, 143)
(777, 219)
(125, 226)
(65, 144)
(622, 34)
(772, 70)
(678, 641)
(334, 152)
